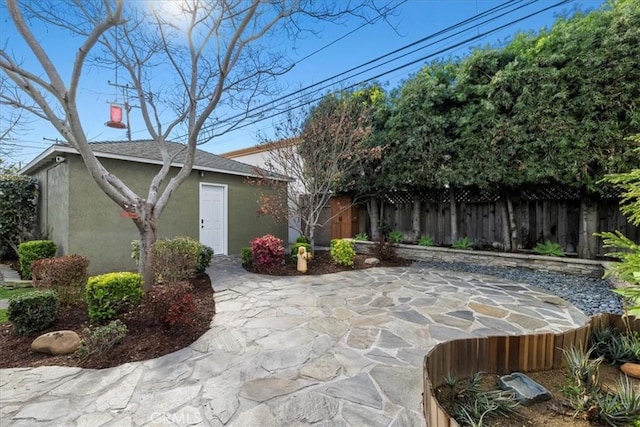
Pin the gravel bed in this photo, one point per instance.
(591, 295)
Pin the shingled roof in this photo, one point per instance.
(145, 151)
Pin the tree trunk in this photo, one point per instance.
(453, 214)
(148, 235)
(587, 243)
(514, 241)
(415, 219)
(374, 217)
(506, 235)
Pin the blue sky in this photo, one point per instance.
(414, 20)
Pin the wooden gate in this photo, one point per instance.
(344, 218)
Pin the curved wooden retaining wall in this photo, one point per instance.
(501, 355)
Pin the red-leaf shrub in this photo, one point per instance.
(181, 311)
(66, 275)
(172, 303)
(267, 253)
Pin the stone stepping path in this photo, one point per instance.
(345, 349)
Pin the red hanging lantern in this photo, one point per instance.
(115, 118)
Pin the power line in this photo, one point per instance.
(374, 60)
(413, 62)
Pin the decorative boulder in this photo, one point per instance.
(526, 390)
(56, 343)
(372, 261)
(631, 369)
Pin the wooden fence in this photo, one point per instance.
(502, 355)
(481, 216)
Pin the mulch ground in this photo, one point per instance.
(321, 263)
(146, 338)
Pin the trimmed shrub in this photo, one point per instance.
(66, 275)
(246, 255)
(204, 258)
(172, 303)
(32, 251)
(342, 252)
(33, 311)
(175, 260)
(112, 293)
(267, 253)
(302, 239)
(101, 339)
(294, 250)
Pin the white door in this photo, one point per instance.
(213, 217)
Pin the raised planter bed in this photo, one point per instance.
(577, 266)
(501, 355)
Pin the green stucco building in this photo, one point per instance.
(214, 205)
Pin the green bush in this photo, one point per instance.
(396, 236)
(112, 293)
(18, 214)
(425, 241)
(247, 256)
(176, 259)
(342, 252)
(302, 239)
(66, 275)
(294, 250)
(549, 248)
(361, 237)
(204, 258)
(33, 312)
(32, 251)
(101, 339)
(462, 243)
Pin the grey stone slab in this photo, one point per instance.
(48, 410)
(382, 302)
(407, 418)
(383, 357)
(263, 389)
(362, 338)
(402, 386)
(462, 314)
(527, 322)
(442, 333)
(526, 390)
(357, 415)
(390, 340)
(259, 415)
(498, 325)
(307, 408)
(329, 326)
(222, 407)
(358, 389)
(162, 402)
(412, 316)
(276, 360)
(323, 368)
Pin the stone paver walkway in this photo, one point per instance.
(344, 349)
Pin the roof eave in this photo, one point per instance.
(35, 163)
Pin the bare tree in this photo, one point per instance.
(319, 149)
(184, 59)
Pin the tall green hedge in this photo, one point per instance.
(18, 210)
